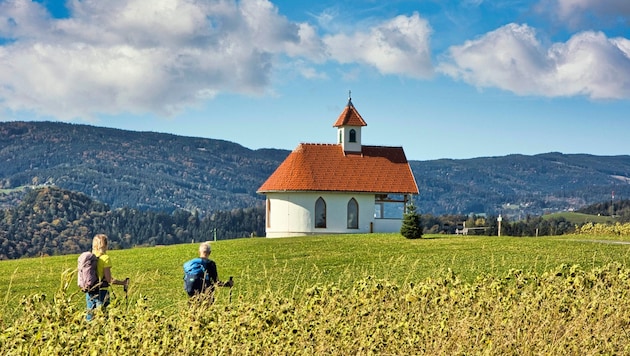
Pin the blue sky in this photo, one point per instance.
(442, 79)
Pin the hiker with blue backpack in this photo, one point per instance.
(95, 275)
(201, 276)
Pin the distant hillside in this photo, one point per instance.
(518, 185)
(144, 170)
(619, 209)
(154, 171)
(576, 218)
(54, 221)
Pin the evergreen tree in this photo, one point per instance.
(411, 227)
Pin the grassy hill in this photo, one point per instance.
(351, 293)
(283, 265)
(580, 218)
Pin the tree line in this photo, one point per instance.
(53, 221)
(489, 225)
(620, 209)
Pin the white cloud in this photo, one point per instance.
(140, 56)
(576, 12)
(20, 18)
(513, 59)
(399, 46)
(159, 56)
(570, 8)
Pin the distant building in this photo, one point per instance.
(339, 188)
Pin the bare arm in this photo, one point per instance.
(107, 274)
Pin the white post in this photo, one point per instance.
(499, 219)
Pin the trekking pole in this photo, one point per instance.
(126, 289)
(231, 285)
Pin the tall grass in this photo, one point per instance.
(377, 293)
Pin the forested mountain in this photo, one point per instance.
(144, 170)
(54, 221)
(519, 185)
(62, 183)
(162, 172)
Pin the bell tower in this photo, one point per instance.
(349, 126)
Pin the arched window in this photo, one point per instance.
(320, 213)
(353, 136)
(353, 214)
(268, 212)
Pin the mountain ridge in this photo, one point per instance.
(160, 171)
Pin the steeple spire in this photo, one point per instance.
(349, 126)
(350, 116)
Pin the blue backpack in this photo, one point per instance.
(196, 278)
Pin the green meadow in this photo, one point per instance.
(442, 293)
(580, 218)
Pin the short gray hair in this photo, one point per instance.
(205, 247)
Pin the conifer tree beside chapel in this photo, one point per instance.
(411, 227)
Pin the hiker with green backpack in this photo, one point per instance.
(95, 276)
(201, 276)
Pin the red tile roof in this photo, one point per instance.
(325, 167)
(350, 117)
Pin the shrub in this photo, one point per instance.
(411, 227)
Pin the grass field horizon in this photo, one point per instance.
(284, 264)
(581, 218)
(286, 273)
